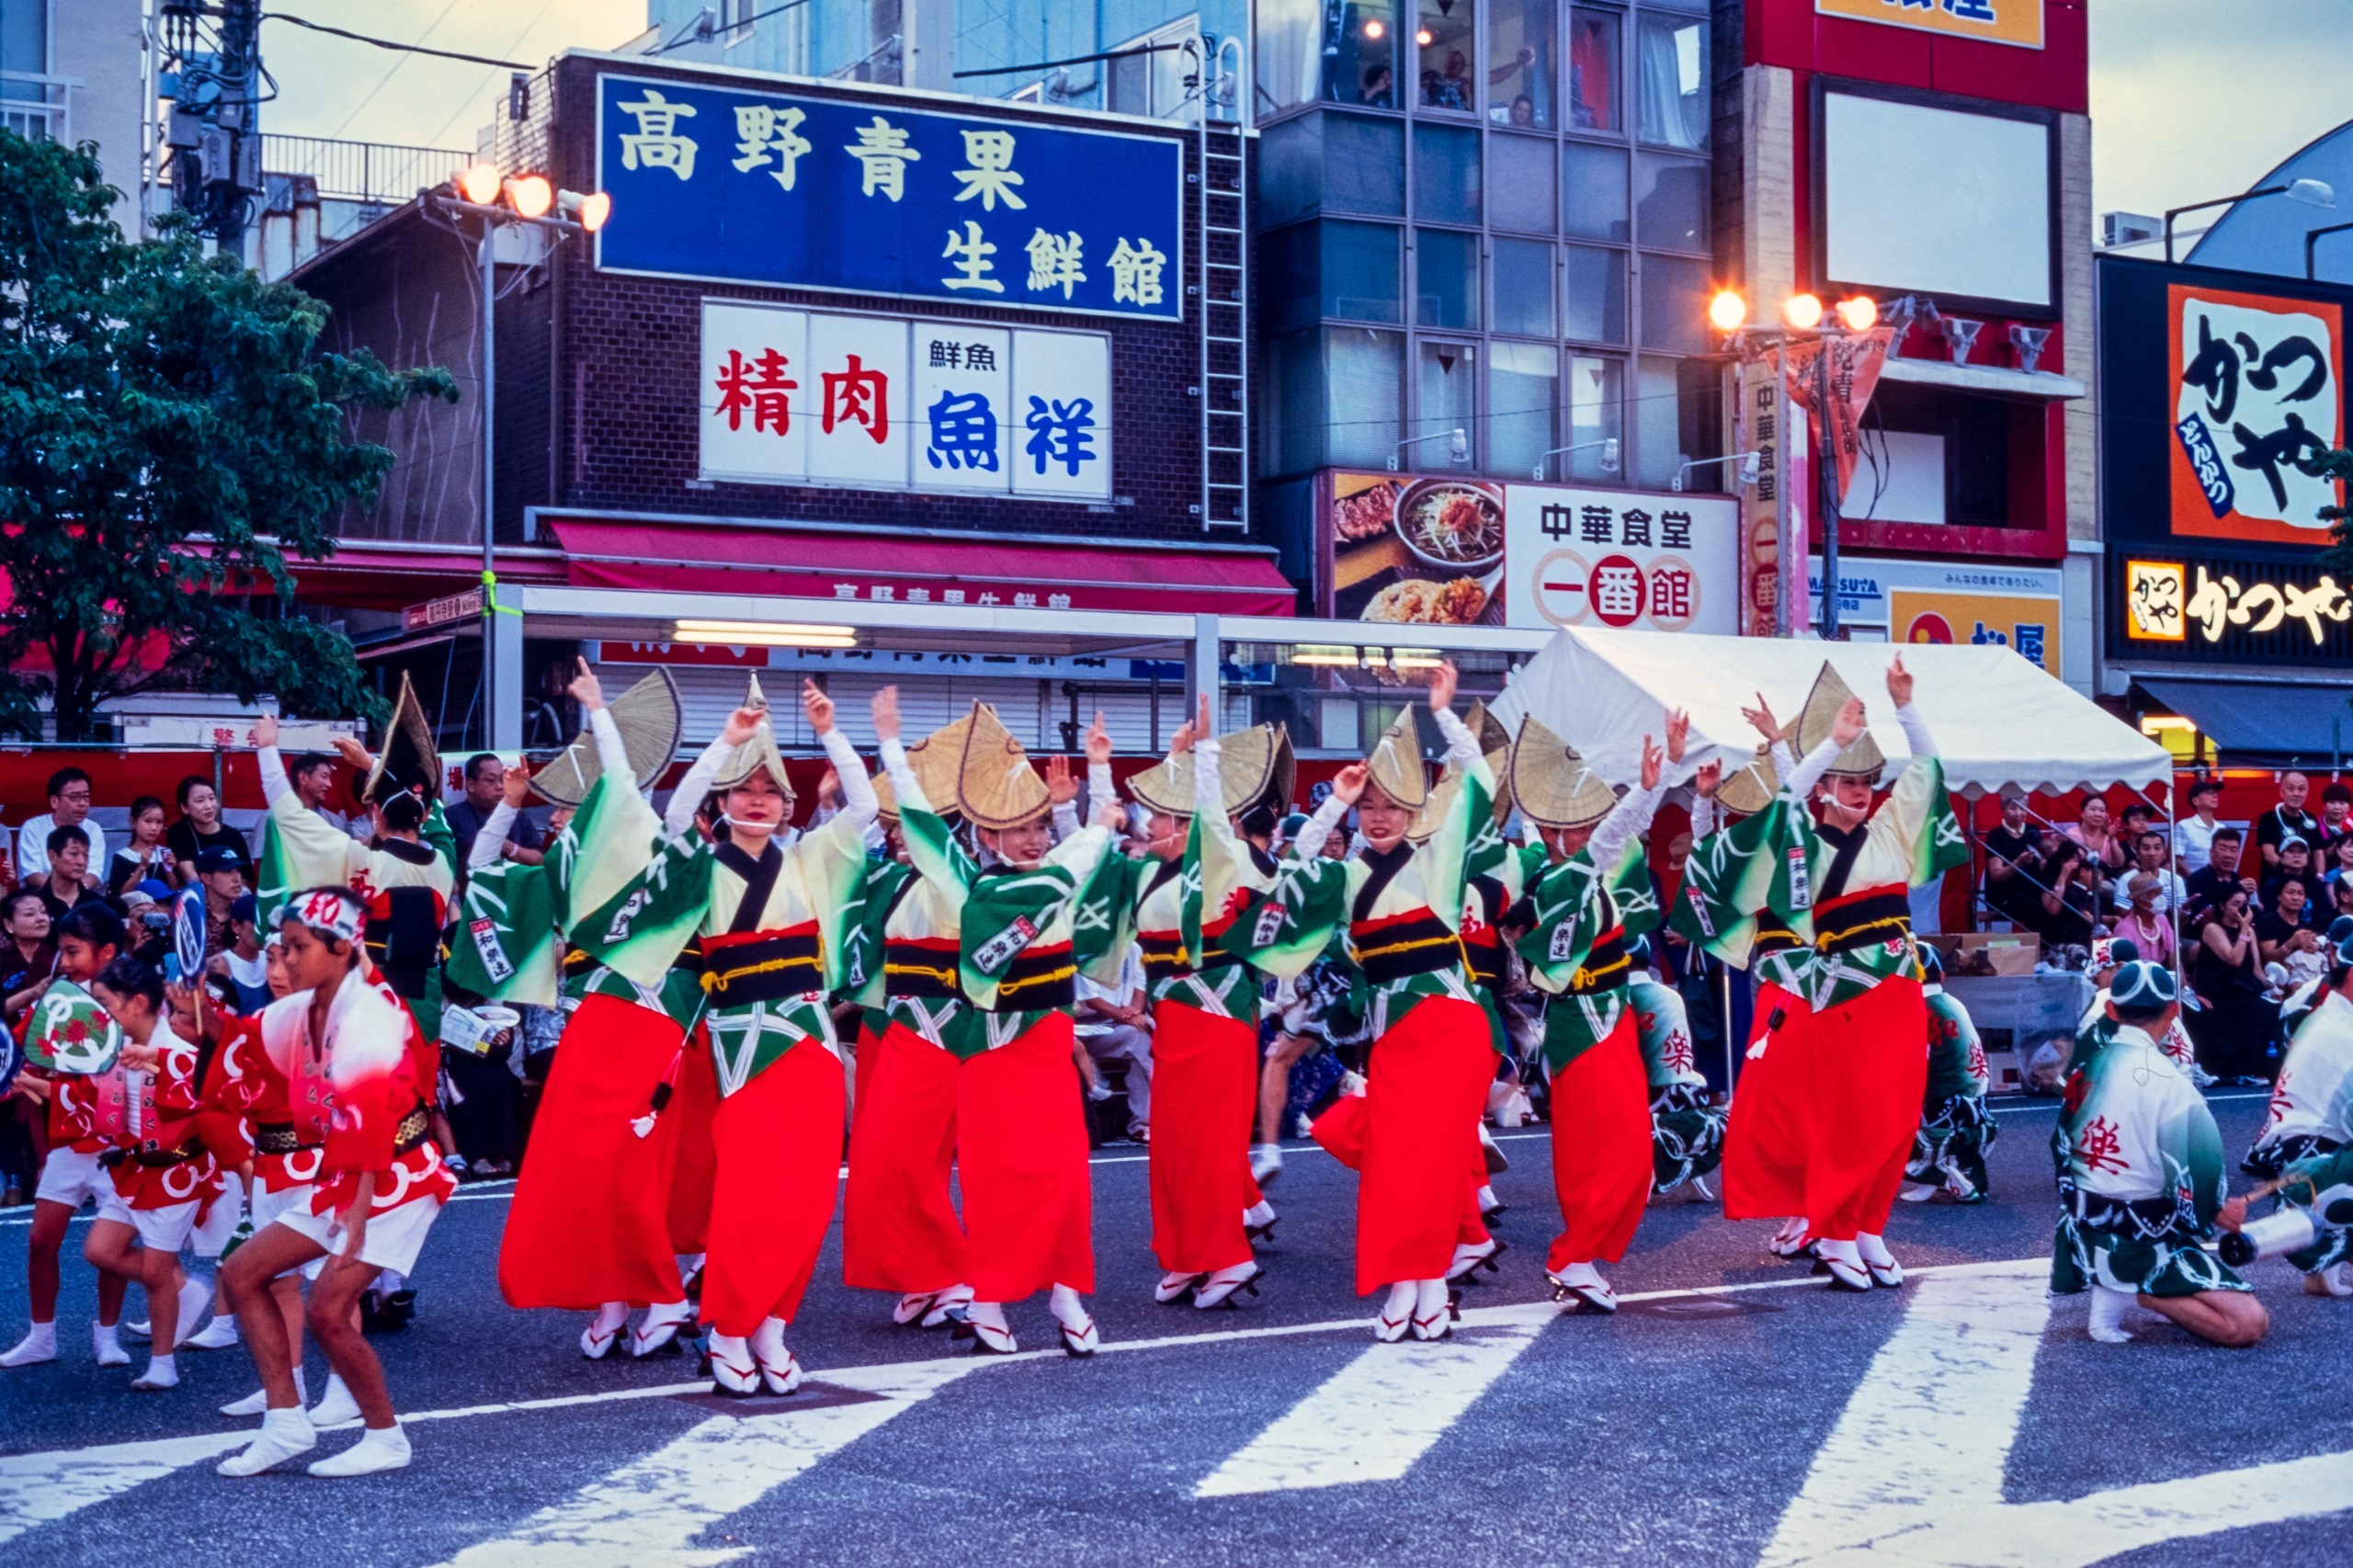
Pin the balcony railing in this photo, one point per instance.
(361, 171)
(36, 107)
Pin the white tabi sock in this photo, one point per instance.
(378, 1449)
(1488, 1201)
(1873, 1249)
(335, 1406)
(162, 1373)
(257, 1402)
(1258, 1214)
(107, 1347)
(1069, 1309)
(284, 1434)
(39, 1345)
(768, 1342)
(2107, 1314)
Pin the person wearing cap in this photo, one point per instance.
(222, 873)
(900, 1231)
(1687, 1131)
(357, 1089)
(1402, 903)
(589, 1228)
(2097, 1026)
(1198, 881)
(1582, 910)
(1949, 1151)
(2141, 1181)
(2311, 1114)
(1867, 1072)
(1021, 1129)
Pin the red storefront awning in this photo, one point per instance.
(366, 575)
(931, 569)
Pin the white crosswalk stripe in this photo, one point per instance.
(1374, 1418)
(40, 1489)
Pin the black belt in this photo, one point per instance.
(413, 1130)
(1036, 981)
(1484, 962)
(766, 968)
(2151, 1219)
(1164, 955)
(1864, 923)
(911, 969)
(1775, 939)
(1606, 966)
(279, 1138)
(2265, 1162)
(1406, 948)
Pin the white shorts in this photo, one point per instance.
(72, 1177)
(393, 1239)
(219, 1225)
(162, 1230)
(269, 1207)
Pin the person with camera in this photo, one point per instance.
(2235, 1027)
(2141, 1181)
(2310, 1120)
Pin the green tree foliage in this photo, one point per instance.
(170, 439)
(2337, 465)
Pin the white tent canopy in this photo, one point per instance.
(1998, 720)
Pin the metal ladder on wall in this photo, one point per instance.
(1222, 240)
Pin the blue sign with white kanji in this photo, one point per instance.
(870, 198)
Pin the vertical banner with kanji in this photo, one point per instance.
(1855, 365)
(814, 397)
(1757, 414)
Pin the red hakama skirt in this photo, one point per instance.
(1601, 1148)
(1204, 1099)
(1868, 1073)
(1769, 1135)
(779, 1142)
(899, 1229)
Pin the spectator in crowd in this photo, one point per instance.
(67, 881)
(27, 956)
(2132, 821)
(486, 786)
(2070, 898)
(243, 962)
(200, 828)
(2149, 854)
(2211, 882)
(2336, 814)
(1115, 1024)
(2145, 920)
(2339, 863)
(2193, 836)
(2294, 860)
(2097, 832)
(147, 921)
(2342, 890)
(69, 806)
(2012, 866)
(145, 857)
(223, 876)
(2234, 1032)
(312, 776)
(2285, 821)
(2284, 933)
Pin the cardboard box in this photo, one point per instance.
(1977, 953)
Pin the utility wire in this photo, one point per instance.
(1075, 59)
(691, 34)
(402, 48)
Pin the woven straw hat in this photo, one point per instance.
(1257, 765)
(648, 717)
(996, 783)
(935, 759)
(1166, 786)
(409, 759)
(1552, 783)
(1396, 763)
(1820, 716)
(1751, 788)
(757, 753)
(1495, 744)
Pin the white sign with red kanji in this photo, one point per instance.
(1576, 557)
(814, 397)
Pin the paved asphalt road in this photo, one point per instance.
(1739, 1415)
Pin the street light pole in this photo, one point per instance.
(493, 713)
(1826, 463)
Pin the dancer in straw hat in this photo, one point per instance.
(1582, 911)
(1186, 899)
(1021, 1131)
(1402, 903)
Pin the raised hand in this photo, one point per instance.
(586, 690)
(1443, 680)
(1182, 741)
(886, 713)
(1111, 815)
(1061, 788)
(1098, 740)
(1204, 720)
(1704, 782)
(1761, 719)
(1350, 782)
(517, 787)
(266, 730)
(1678, 730)
(1848, 727)
(1899, 683)
(818, 705)
(352, 752)
(1653, 763)
(742, 725)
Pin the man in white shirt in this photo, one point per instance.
(1115, 1024)
(2149, 860)
(2193, 837)
(69, 806)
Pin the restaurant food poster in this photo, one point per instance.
(1405, 550)
(2257, 384)
(1621, 559)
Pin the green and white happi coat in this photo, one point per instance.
(2307, 1135)
(2139, 1177)
(1949, 1150)
(1581, 912)
(1743, 897)
(1401, 912)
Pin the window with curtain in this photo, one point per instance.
(1523, 385)
(1446, 279)
(1519, 183)
(1671, 77)
(1521, 68)
(1446, 174)
(1593, 69)
(1446, 33)
(1363, 383)
(1597, 413)
(1291, 54)
(1523, 287)
(1449, 400)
